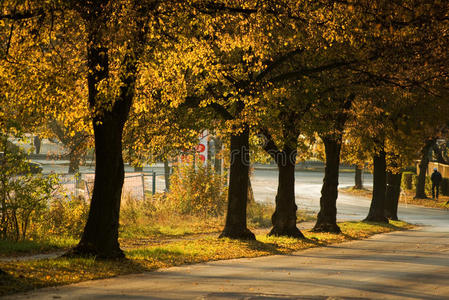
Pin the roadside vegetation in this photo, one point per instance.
(27, 275)
(360, 82)
(57, 223)
(406, 197)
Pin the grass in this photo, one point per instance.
(30, 247)
(407, 197)
(27, 275)
(357, 192)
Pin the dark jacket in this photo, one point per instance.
(436, 177)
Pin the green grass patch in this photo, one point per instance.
(26, 275)
(29, 247)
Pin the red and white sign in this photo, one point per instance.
(201, 148)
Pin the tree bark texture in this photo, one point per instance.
(74, 162)
(250, 192)
(421, 184)
(358, 178)
(167, 175)
(376, 211)
(284, 216)
(100, 236)
(327, 216)
(393, 192)
(236, 226)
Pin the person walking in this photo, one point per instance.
(436, 179)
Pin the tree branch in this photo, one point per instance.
(309, 71)
(222, 111)
(23, 15)
(270, 146)
(278, 62)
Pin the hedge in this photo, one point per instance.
(409, 181)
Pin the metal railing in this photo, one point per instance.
(136, 184)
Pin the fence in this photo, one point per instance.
(135, 185)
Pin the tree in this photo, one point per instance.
(423, 164)
(284, 217)
(332, 139)
(393, 188)
(376, 211)
(358, 183)
(100, 236)
(74, 140)
(115, 35)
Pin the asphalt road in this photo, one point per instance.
(400, 265)
(308, 190)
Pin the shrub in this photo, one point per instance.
(444, 187)
(427, 186)
(410, 180)
(197, 191)
(259, 214)
(64, 216)
(407, 180)
(23, 196)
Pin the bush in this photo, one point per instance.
(444, 187)
(407, 180)
(63, 217)
(410, 180)
(195, 203)
(23, 196)
(197, 191)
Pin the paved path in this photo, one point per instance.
(401, 265)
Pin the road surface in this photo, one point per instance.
(400, 265)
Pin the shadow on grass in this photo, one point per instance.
(28, 275)
(256, 245)
(384, 225)
(10, 284)
(27, 247)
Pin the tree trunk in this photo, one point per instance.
(4, 182)
(284, 217)
(376, 211)
(439, 154)
(358, 178)
(167, 175)
(392, 195)
(74, 162)
(100, 236)
(37, 144)
(421, 184)
(235, 226)
(327, 217)
(250, 192)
